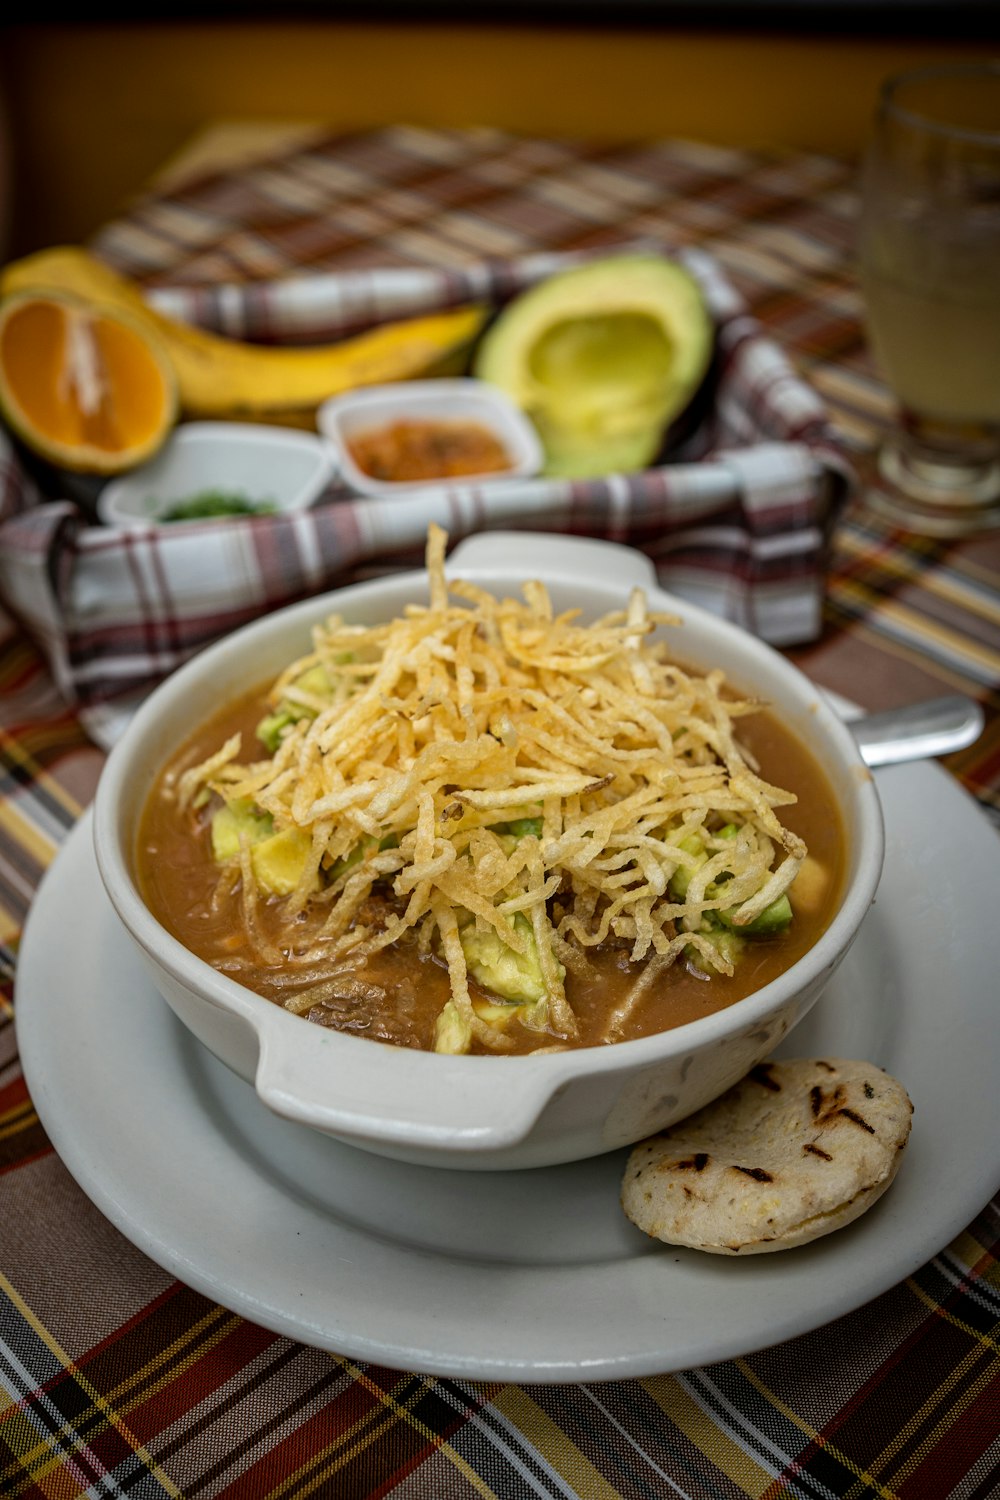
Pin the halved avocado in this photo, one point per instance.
(602, 358)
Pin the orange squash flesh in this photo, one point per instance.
(81, 386)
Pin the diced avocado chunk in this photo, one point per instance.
(356, 855)
(278, 861)
(513, 976)
(728, 944)
(316, 681)
(773, 919)
(811, 886)
(271, 728)
(361, 850)
(681, 878)
(235, 821)
(452, 1032)
(495, 1013)
(523, 828)
(514, 829)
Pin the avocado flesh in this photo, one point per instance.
(232, 823)
(316, 681)
(277, 859)
(602, 358)
(278, 862)
(515, 977)
(452, 1033)
(774, 919)
(598, 371)
(571, 454)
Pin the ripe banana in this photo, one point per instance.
(221, 377)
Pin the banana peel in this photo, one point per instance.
(225, 378)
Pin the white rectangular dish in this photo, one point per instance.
(343, 418)
(278, 467)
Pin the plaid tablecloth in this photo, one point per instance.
(117, 1379)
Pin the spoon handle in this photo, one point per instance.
(919, 730)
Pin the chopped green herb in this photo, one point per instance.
(208, 503)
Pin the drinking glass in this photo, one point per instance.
(930, 274)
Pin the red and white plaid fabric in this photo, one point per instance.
(739, 522)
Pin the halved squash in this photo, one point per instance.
(84, 386)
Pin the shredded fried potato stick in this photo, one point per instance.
(445, 726)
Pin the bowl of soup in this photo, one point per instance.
(502, 864)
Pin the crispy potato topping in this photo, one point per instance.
(498, 764)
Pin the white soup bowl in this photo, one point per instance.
(482, 1111)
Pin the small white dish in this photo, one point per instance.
(342, 418)
(285, 468)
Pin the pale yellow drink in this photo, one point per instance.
(939, 342)
(930, 274)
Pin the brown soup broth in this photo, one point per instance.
(179, 882)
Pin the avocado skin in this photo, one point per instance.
(603, 358)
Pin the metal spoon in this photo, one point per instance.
(918, 731)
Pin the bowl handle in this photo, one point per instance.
(528, 553)
(484, 1107)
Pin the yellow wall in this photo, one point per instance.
(94, 109)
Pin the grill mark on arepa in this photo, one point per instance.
(757, 1173)
(852, 1114)
(815, 1150)
(762, 1074)
(826, 1106)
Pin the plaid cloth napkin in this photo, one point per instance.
(738, 522)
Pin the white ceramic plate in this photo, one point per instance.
(526, 1275)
